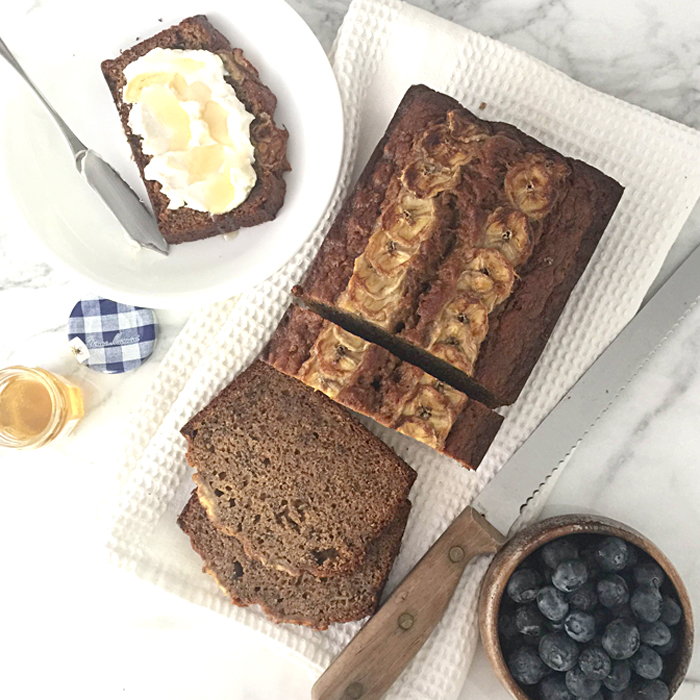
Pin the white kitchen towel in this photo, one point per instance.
(383, 47)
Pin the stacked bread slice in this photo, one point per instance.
(298, 508)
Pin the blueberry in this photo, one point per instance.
(584, 598)
(632, 555)
(612, 591)
(580, 626)
(666, 649)
(580, 685)
(646, 603)
(552, 603)
(558, 651)
(529, 621)
(588, 555)
(647, 573)
(595, 663)
(507, 631)
(526, 666)
(619, 677)
(652, 690)
(670, 611)
(570, 575)
(621, 639)
(554, 688)
(557, 551)
(612, 554)
(523, 585)
(647, 663)
(655, 634)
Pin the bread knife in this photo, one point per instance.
(368, 666)
(136, 220)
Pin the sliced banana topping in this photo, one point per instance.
(532, 184)
(386, 255)
(441, 145)
(463, 129)
(508, 231)
(427, 178)
(488, 275)
(407, 221)
(470, 312)
(428, 416)
(334, 358)
(461, 355)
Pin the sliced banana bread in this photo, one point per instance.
(291, 474)
(372, 381)
(269, 141)
(510, 225)
(303, 600)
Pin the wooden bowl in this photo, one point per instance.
(532, 538)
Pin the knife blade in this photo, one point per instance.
(373, 660)
(136, 220)
(122, 201)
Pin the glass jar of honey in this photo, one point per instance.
(36, 407)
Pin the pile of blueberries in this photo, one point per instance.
(585, 618)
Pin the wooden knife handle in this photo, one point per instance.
(373, 660)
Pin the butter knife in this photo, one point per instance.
(373, 660)
(122, 201)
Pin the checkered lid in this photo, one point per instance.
(111, 337)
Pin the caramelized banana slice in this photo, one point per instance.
(532, 184)
(426, 178)
(386, 255)
(470, 312)
(508, 231)
(427, 417)
(459, 352)
(452, 143)
(408, 221)
(488, 276)
(334, 358)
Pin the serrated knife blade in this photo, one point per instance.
(373, 660)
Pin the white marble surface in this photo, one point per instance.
(78, 625)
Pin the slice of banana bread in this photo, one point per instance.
(522, 223)
(301, 484)
(270, 141)
(372, 381)
(302, 600)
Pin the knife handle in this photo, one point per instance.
(373, 660)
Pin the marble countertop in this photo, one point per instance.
(75, 623)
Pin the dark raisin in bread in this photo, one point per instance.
(270, 142)
(303, 600)
(301, 484)
(460, 245)
(370, 380)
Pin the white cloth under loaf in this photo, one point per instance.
(382, 48)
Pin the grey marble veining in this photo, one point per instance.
(638, 463)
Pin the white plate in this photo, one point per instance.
(68, 218)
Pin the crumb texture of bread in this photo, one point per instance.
(269, 140)
(305, 599)
(292, 475)
(460, 245)
(374, 382)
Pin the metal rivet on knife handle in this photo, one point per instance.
(354, 691)
(456, 554)
(405, 621)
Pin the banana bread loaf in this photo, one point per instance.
(370, 380)
(269, 141)
(460, 245)
(302, 600)
(293, 476)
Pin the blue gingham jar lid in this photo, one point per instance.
(111, 337)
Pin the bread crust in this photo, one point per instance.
(270, 141)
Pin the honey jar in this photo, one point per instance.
(36, 407)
